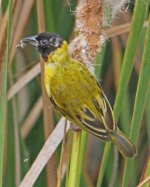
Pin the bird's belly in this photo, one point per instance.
(69, 88)
(65, 94)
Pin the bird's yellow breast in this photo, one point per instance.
(49, 71)
(54, 61)
(68, 81)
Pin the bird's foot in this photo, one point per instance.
(74, 128)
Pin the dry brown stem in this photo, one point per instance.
(32, 117)
(88, 25)
(25, 79)
(90, 18)
(21, 24)
(3, 32)
(46, 152)
(51, 170)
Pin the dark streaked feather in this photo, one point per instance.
(93, 124)
(86, 119)
(107, 113)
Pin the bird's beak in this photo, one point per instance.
(31, 40)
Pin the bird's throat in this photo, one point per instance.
(60, 55)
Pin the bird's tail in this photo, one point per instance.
(125, 146)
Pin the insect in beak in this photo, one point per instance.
(29, 39)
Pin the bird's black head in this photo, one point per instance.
(45, 42)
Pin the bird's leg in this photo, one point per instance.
(74, 128)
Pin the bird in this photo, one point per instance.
(76, 93)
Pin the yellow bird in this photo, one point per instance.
(75, 93)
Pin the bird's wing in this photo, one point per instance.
(92, 123)
(107, 114)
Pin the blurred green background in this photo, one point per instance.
(122, 67)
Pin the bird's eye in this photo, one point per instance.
(43, 42)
